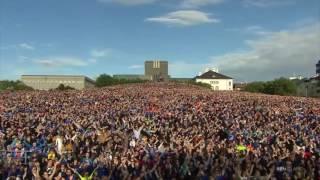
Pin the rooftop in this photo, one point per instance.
(212, 75)
(151, 61)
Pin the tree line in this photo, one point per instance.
(13, 85)
(283, 86)
(107, 80)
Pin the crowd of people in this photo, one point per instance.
(158, 131)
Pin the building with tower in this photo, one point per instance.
(156, 70)
(153, 71)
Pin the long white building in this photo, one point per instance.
(47, 82)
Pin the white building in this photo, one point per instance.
(296, 77)
(218, 82)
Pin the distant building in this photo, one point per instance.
(296, 77)
(218, 82)
(130, 76)
(318, 68)
(47, 82)
(314, 79)
(156, 70)
(153, 71)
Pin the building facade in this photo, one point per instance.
(130, 76)
(217, 81)
(47, 82)
(156, 70)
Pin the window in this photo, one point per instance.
(229, 83)
(156, 64)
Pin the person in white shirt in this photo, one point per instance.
(137, 133)
(59, 145)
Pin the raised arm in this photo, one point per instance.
(75, 171)
(95, 169)
(140, 129)
(36, 173)
(25, 171)
(271, 172)
(54, 170)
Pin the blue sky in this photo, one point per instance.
(246, 39)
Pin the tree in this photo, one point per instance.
(62, 87)
(193, 82)
(21, 86)
(205, 85)
(268, 88)
(284, 86)
(107, 80)
(279, 86)
(255, 87)
(104, 80)
(13, 85)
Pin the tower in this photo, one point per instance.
(156, 70)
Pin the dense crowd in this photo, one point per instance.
(158, 131)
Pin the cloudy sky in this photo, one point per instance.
(246, 39)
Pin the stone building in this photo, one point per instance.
(47, 82)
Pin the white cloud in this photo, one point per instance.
(267, 3)
(22, 59)
(128, 2)
(96, 53)
(46, 45)
(253, 30)
(136, 66)
(199, 3)
(274, 55)
(92, 60)
(184, 18)
(26, 46)
(8, 47)
(257, 30)
(60, 62)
